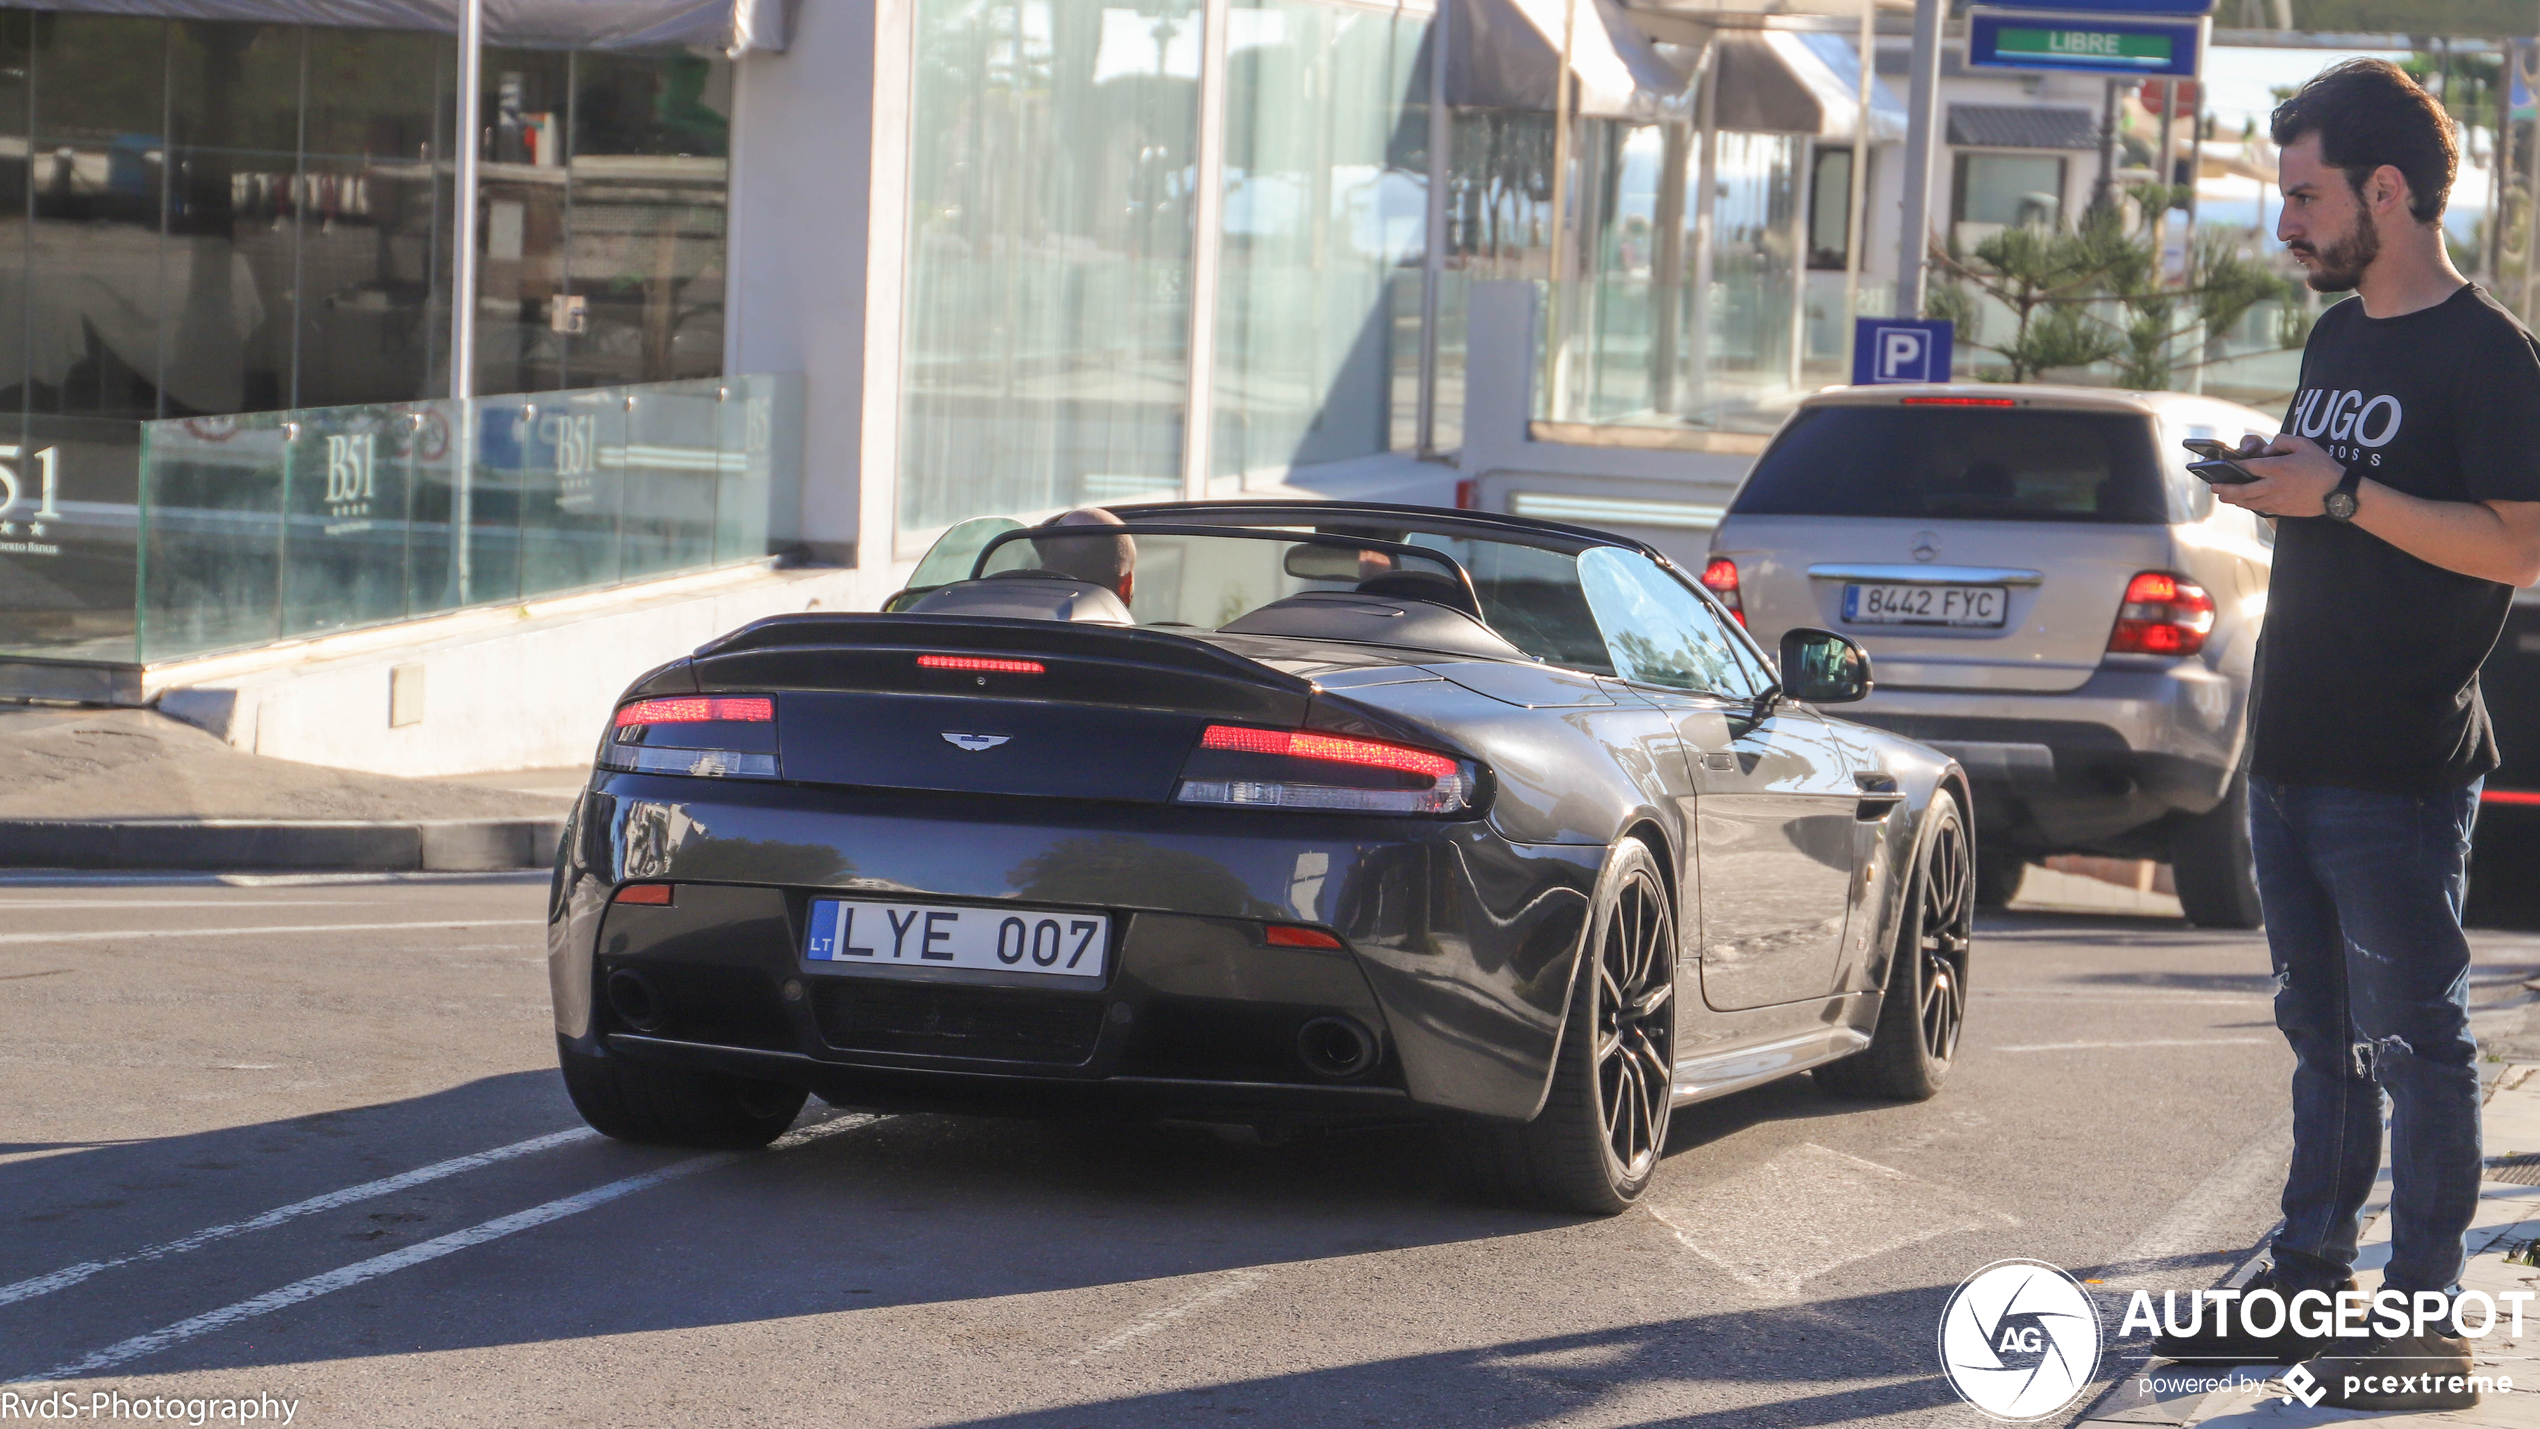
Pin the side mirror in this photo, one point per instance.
(1823, 668)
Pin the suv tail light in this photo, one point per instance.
(2163, 614)
(1720, 578)
(708, 736)
(1307, 769)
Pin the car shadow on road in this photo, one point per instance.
(908, 1211)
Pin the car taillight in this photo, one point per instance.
(1307, 769)
(707, 736)
(2163, 614)
(1720, 578)
(981, 663)
(657, 895)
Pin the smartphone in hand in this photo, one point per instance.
(2217, 468)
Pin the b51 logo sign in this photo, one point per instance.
(14, 498)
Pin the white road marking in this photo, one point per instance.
(2157, 1042)
(71, 1275)
(1810, 1210)
(344, 1277)
(12, 904)
(2215, 1214)
(1228, 1286)
(242, 932)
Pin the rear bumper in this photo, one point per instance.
(1460, 949)
(2088, 767)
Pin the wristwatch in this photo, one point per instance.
(2339, 505)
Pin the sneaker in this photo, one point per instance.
(2429, 1371)
(2231, 1343)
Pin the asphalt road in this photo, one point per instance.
(203, 1085)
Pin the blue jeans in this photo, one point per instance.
(2362, 893)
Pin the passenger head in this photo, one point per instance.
(1107, 561)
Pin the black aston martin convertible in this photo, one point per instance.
(1268, 814)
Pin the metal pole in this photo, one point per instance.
(1922, 113)
(2168, 166)
(1706, 191)
(1208, 206)
(1433, 260)
(2104, 191)
(463, 266)
(1556, 346)
(2519, 56)
(1854, 228)
(2500, 163)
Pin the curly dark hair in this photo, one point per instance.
(2369, 113)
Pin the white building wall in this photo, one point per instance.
(818, 223)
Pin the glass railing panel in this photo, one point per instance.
(68, 487)
(758, 410)
(348, 490)
(211, 538)
(571, 504)
(436, 568)
(673, 473)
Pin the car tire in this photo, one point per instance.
(1998, 877)
(2212, 866)
(1595, 1145)
(1924, 1009)
(675, 1106)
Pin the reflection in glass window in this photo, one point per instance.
(1324, 221)
(1658, 631)
(1046, 332)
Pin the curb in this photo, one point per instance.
(314, 845)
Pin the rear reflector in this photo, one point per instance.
(1303, 769)
(1284, 935)
(698, 709)
(656, 894)
(981, 663)
(2163, 614)
(2509, 796)
(1339, 749)
(698, 763)
(1957, 401)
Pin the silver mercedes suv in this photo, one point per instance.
(2046, 594)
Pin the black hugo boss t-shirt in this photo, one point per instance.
(2368, 669)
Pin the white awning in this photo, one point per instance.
(729, 25)
(1507, 55)
(1792, 82)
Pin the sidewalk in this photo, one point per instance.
(2508, 1221)
(133, 789)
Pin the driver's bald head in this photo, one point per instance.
(1109, 562)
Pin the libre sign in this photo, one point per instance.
(1999, 39)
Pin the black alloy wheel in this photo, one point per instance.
(1944, 925)
(1924, 1010)
(1635, 1022)
(1596, 1143)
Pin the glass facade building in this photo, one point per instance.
(202, 221)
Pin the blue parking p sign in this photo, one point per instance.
(1900, 350)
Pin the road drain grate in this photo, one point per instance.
(2520, 1170)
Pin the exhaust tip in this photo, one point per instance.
(1336, 1046)
(631, 998)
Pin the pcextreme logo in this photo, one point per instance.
(2019, 1340)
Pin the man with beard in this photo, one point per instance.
(2405, 488)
